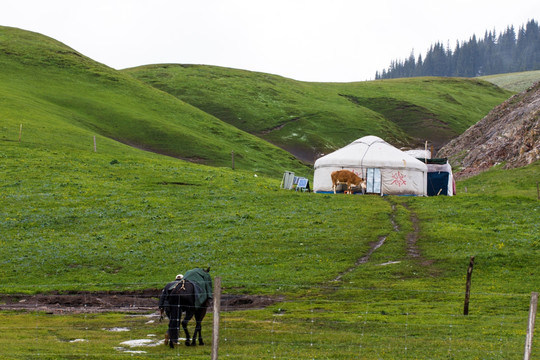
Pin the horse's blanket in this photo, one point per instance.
(203, 285)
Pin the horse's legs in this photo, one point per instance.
(174, 324)
(189, 315)
(199, 316)
(198, 327)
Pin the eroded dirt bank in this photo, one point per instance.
(130, 301)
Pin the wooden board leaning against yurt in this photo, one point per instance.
(387, 170)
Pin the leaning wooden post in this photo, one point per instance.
(217, 308)
(20, 133)
(530, 326)
(468, 287)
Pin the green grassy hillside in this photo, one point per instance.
(93, 221)
(64, 98)
(313, 118)
(82, 221)
(516, 82)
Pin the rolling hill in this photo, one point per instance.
(310, 119)
(52, 89)
(62, 99)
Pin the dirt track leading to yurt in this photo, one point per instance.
(413, 251)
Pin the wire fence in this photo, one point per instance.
(331, 323)
(411, 324)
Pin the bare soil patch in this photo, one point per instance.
(143, 301)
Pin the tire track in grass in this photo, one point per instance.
(412, 250)
(373, 247)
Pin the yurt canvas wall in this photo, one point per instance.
(397, 172)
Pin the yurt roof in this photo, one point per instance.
(367, 152)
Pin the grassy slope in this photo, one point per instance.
(83, 219)
(516, 82)
(87, 223)
(72, 220)
(314, 118)
(65, 98)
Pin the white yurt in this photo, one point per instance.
(387, 170)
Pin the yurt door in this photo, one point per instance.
(373, 180)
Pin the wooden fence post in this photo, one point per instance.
(217, 309)
(530, 326)
(232, 159)
(468, 287)
(95, 147)
(20, 133)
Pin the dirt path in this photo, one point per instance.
(373, 246)
(413, 251)
(364, 259)
(144, 301)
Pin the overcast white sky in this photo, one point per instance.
(310, 40)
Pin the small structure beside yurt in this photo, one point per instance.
(419, 153)
(440, 180)
(387, 170)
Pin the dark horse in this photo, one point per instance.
(191, 296)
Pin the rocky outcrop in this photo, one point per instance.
(510, 133)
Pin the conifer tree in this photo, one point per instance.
(509, 52)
